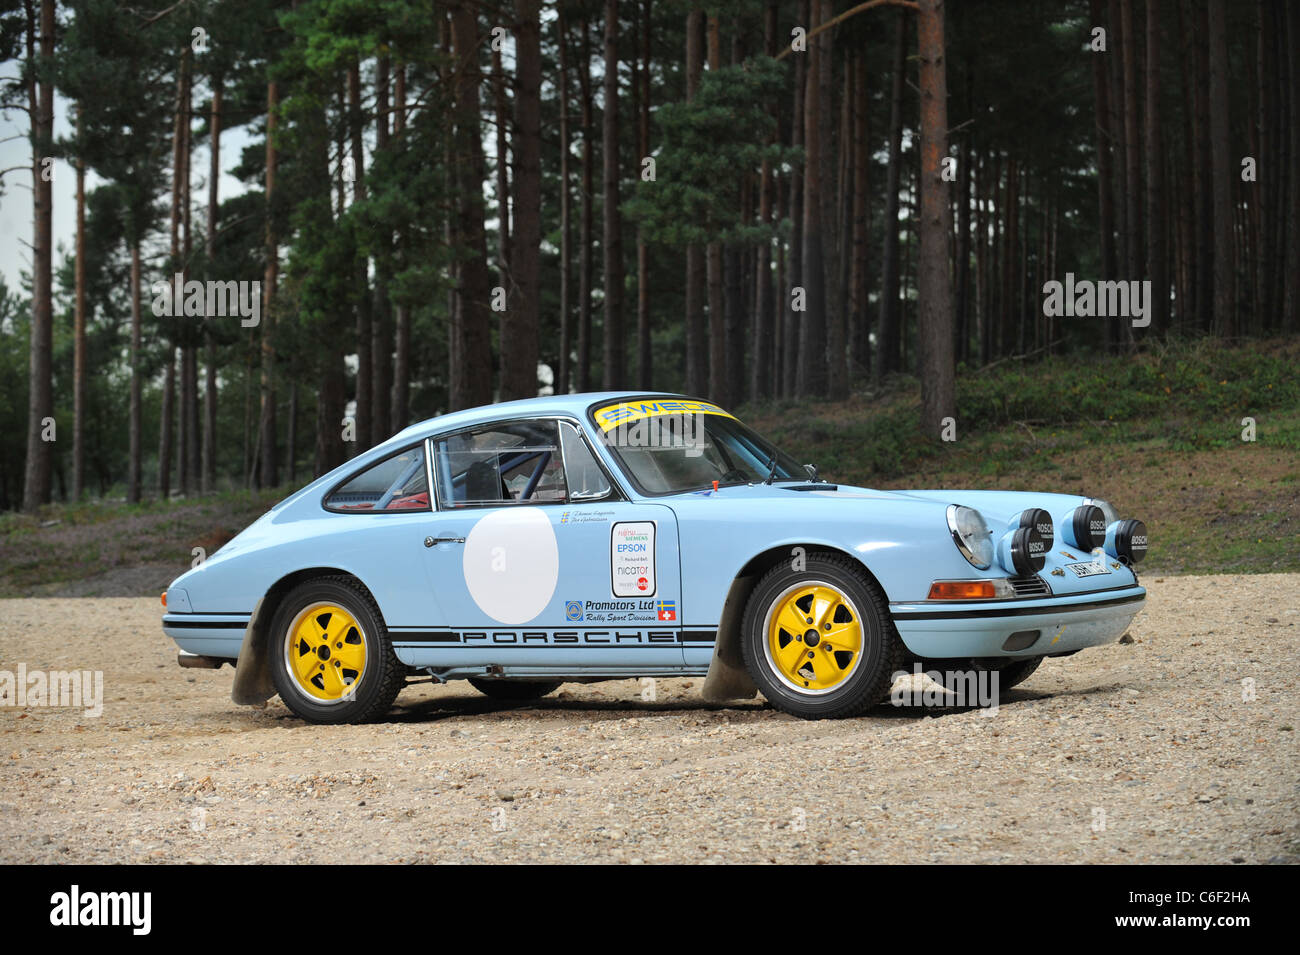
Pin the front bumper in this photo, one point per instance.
(206, 634)
(1007, 628)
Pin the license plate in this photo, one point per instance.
(1089, 568)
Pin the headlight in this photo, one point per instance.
(1084, 527)
(1107, 509)
(1023, 550)
(1127, 541)
(971, 535)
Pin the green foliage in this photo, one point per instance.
(707, 145)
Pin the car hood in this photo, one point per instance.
(996, 506)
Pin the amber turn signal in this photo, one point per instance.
(164, 599)
(963, 590)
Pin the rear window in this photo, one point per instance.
(397, 483)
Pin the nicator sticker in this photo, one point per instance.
(632, 559)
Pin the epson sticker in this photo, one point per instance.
(632, 559)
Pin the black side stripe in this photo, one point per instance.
(206, 624)
(1020, 611)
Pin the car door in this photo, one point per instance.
(537, 560)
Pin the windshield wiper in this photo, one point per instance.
(771, 470)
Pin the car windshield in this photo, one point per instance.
(669, 446)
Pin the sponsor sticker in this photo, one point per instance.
(632, 559)
(1089, 568)
(626, 412)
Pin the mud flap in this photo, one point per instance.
(253, 671)
(727, 678)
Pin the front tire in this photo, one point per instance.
(818, 641)
(331, 658)
(1013, 674)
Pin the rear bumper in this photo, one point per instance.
(1017, 628)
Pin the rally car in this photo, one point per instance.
(607, 536)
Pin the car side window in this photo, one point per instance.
(515, 463)
(397, 483)
(586, 480)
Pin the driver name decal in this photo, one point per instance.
(632, 559)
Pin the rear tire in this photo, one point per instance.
(331, 658)
(515, 690)
(819, 642)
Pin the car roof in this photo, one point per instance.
(570, 404)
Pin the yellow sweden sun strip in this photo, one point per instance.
(626, 412)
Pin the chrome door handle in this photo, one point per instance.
(430, 541)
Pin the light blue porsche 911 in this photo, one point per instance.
(607, 536)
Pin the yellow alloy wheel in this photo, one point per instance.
(325, 653)
(813, 637)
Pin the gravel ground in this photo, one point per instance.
(1137, 752)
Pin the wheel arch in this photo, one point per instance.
(253, 670)
(727, 678)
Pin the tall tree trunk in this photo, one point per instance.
(471, 364)
(361, 268)
(934, 284)
(789, 360)
(268, 475)
(135, 425)
(860, 222)
(401, 413)
(718, 384)
(381, 325)
(1105, 139)
(1134, 247)
(501, 140)
(1220, 145)
(613, 231)
(697, 340)
(208, 465)
(1291, 295)
(812, 353)
(763, 378)
(564, 372)
(191, 329)
(1197, 58)
(644, 352)
(888, 331)
(79, 331)
(40, 407)
(180, 122)
(834, 217)
(521, 321)
(1155, 153)
(586, 227)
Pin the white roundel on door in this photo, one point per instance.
(512, 564)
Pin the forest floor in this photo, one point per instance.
(1177, 747)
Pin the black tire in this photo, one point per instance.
(1017, 672)
(381, 677)
(515, 690)
(869, 675)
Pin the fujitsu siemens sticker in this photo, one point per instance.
(632, 559)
